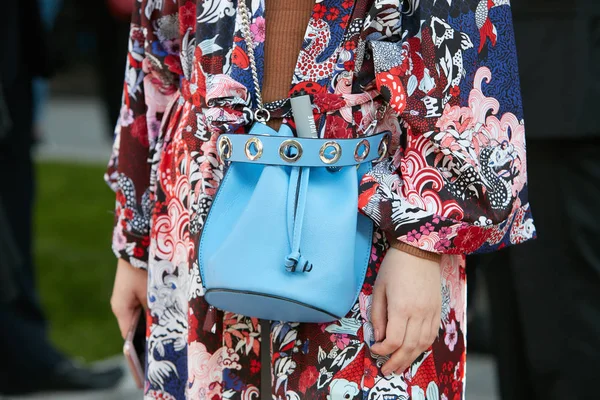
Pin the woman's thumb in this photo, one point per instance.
(379, 313)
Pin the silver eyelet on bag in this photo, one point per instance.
(225, 148)
(330, 152)
(290, 150)
(363, 148)
(253, 149)
(383, 147)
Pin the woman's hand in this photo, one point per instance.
(407, 303)
(129, 294)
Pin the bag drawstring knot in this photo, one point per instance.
(298, 188)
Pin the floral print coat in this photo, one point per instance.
(441, 75)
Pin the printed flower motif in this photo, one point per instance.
(126, 116)
(119, 239)
(308, 378)
(187, 17)
(413, 235)
(172, 47)
(254, 366)
(470, 239)
(455, 91)
(448, 367)
(128, 213)
(138, 252)
(319, 11)
(341, 340)
(426, 229)
(456, 385)
(437, 218)
(374, 253)
(345, 20)
(444, 232)
(154, 125)
(207, 374)
(139, 130)
(334, 13)
(137, 35)
(442, 245)
(451, 335)
(328, 101)
(338, 128)
(258, 30)
(369, 374)
(155, 394)
(121, 199)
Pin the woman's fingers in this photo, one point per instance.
(379, 313)
(400, 360)
(419, 335)
(427, 337)
(394, 335)
(129, 293)
(124, 305)
(142, 297)
(124, 319)
(413, 298)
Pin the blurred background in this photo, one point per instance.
(74, 135)
(75, 268)
(73, 116)
(73, 120)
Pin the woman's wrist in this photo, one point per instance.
(412, 250)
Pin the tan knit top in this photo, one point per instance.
(287, 21)
(286, 24)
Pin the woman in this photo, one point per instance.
(441, 75)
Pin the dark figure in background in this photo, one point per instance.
(112, 29)
(545, 295)
(29, 362)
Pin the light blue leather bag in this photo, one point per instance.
(283, 239)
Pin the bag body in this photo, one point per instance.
(283, 239)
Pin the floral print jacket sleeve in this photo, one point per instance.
(457, 180)
(148, 89)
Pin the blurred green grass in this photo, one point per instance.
(75, 266)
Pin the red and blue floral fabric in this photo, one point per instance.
(441, 75)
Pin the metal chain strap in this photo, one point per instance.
(261, 114)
